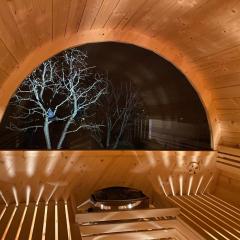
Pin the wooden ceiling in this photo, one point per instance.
(201, 37)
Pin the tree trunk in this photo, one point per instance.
(46, 134)
(63, 135)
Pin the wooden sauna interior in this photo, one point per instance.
(39, 190)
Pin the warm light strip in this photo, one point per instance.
(82, 204)
(9, 165)
(171, 185)
(218, 212)
(211, 178)
(40, 194)
(204, 199)
(190, 185)
(31, 162)
(199, 184)
(45, 222)
(68, 221)
(28, 192)
(181, 184)
(166, 159)
(4, 199)
(208, 233)
(33, 222)
(15, 195)
(208, 219)
(9, 223)
(53, 191)
(3, 211)
(35, 212)
(200, 221)
(21, 223)
(161, 183)
(56, 220)
(219, 219)
(212, 196)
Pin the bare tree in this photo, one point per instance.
(121, 105)
(61, 90)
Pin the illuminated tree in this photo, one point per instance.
(120, 107)
(60, 91)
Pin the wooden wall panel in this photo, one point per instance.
(57, 174)
(228, 179)
(205, 33)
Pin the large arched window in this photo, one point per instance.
(105, 96)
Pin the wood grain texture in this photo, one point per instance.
(199, 37)
(62, 173)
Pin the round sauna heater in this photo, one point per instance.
(118, 198)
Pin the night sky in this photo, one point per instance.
(178, 118)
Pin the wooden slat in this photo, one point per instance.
(91, 10)
(12, 232)
(10, 34)
(75, 16)
(38, 226)
(75, 233)
(50, 227)
(208, 214)
(22, 13)
(5, 219)
(123, 12)
(104, 13)
(122, 227)
(212, 48)
(60, 17)
(62, 224)
(159, 234)
(229, 150)
(123, 215)
(201, 224)
(224, 205)
(24, 234)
